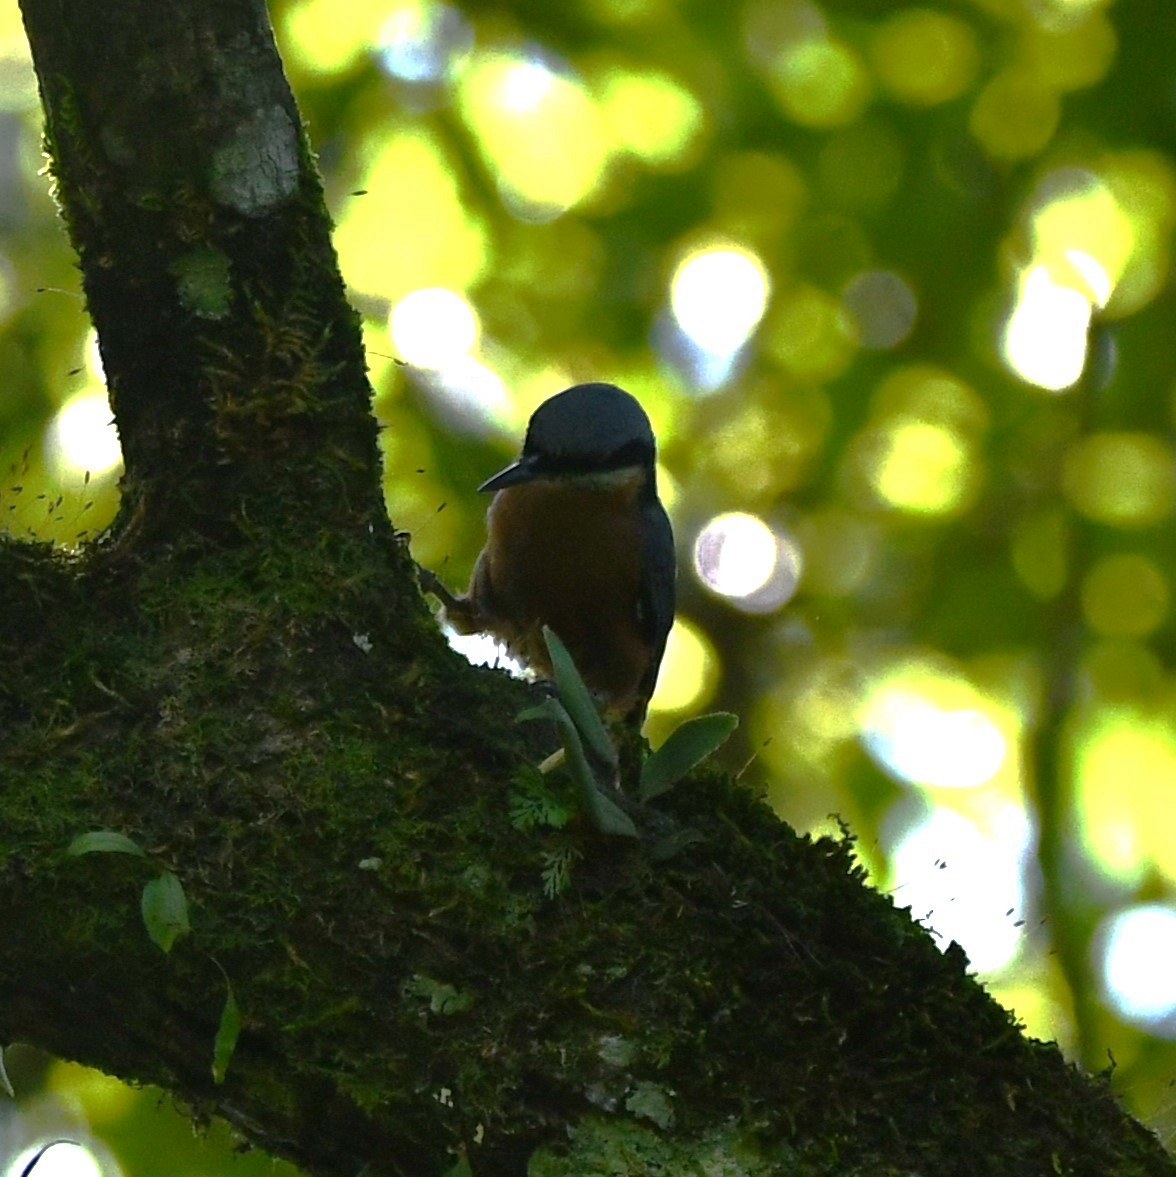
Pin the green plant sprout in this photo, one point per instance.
(591, 755)
(164, 908)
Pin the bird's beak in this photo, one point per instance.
(514, 475)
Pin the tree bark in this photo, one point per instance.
(243, 678)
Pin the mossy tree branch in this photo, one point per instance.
(242, 678)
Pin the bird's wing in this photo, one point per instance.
(656, 601)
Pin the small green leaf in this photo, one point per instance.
(606, 815)
(104, 842)
(533, 805)
(227, 1033)
(557, 870)
(688, 745)
(165, 910)
(577, 700)
(443, 998)
(651, 1101)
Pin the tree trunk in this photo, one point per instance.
(242, 678)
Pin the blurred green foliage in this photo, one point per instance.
(893, 282)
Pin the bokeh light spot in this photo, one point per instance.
(1074, 51)
(1015, 116)
(1081, 233)
(718, 296)
(920, 742)
(1092, 273)
(824, 705)
(963, 880)
(102, 1098)
(919, 467)
(1134, 951)
(1125, 595)
(767, 446)
(1040, 553)
(433, 327)
(1122, 671)
(420, 42)
(1125, 763)
(1143, 184)
(1081, 243)
(1121, 479)
(1044, 339)
(410, 229)
(928, 728)
(811, 334)
(689, 670)
(651, 115)
(820, 83)
(525, 86)
(740, 558)
(884, 307)
(82, 436)
(929, 393)
(468, 397)
(18, 82)
(734, 554)
(539, 129)
(924, 57)
(326, 37)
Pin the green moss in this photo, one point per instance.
(624, 1148)
(202, 281)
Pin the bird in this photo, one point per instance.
(578, 540)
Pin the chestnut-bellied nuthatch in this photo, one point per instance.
(578, 540)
